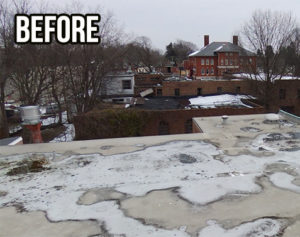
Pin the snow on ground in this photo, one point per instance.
(218, 100)
(15, 128)
(192, 166)
(68, 135)
(54, 119)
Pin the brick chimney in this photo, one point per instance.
(235, 40)
(206, 40)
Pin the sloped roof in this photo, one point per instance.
(215, 47)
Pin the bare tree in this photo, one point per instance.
(267, 33)
(86, 67)
(6, 58)
(140, 53)
(31, 73)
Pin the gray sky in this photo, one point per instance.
(164, 21)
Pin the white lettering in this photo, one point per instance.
(91, 29)
(22, 27)
(48, 28)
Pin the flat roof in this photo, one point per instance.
(234, 179)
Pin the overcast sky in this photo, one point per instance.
(165, 21)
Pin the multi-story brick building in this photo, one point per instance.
(217, 58)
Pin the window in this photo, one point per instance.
(222, 61)
(212, 62)
(207, 61)
(202, 61)
(226, 62)
(238, 90)
(199, 91)
(126, 84)
(219, 90)
(226, 54)
(231, 62)
(202, 71)
(207, 71)
(241, 61)
(159, 92)
(188, 126)
(212, 71)
(282, 94)
(163, 128)
(250, 60)
(231, 54)
(177, 92)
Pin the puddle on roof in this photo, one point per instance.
(41, 226)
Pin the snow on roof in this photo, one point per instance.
(194, 53)
(219, 48)
(218, 100)
(179, 185)
(212, 48)
(262, 76)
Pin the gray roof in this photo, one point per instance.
(213, 48)
(7, 141)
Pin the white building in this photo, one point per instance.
(119, 84)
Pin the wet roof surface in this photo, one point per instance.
(238, 178)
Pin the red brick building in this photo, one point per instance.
(217, 58)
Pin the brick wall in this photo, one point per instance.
(290, 95)
(87, 126)
(177, 119)
(190, 88)
(146, 81)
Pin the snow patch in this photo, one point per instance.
(218, 100)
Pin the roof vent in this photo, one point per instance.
(224, 118)
(272, 118)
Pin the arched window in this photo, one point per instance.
(163, 128)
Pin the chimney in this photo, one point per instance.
(235, 40)
(206, 40)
